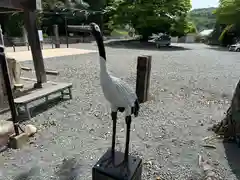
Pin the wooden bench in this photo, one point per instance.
(44, 92)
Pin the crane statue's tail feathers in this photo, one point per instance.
(136, 108)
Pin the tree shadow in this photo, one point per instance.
(28, 175)
(39, 108)
(135, 44)
(233, 156)
(70, 169)
(16, 94)
(218, 48)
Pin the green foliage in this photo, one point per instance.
(151, 16)
(45, 35)
(203, 18)
(228, 14)
(224, 32)
(14, 24)
(191, 28)
(182, 27)
(56, 11)
(119, 32)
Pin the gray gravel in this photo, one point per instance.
(190, 90)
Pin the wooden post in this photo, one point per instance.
(56, 34)
(33, 39)
(143, 77)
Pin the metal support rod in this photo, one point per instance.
(3, 63)
(66, 30)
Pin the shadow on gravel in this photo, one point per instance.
(68, 170)
(16, 94)
(134, 44)
(233, 156)
(40, 108)
(28, 175)
(218, 48)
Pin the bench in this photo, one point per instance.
(44, 92)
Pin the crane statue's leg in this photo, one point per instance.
(128, 122)
(114, 119)
(124, 163)
(110, 159)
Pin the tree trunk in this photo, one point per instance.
(229, 127)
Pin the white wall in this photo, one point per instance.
(190, 38)
(174, 39)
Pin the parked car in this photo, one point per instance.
(163, 40)
(234, 47)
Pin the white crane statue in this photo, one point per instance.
(117, 92)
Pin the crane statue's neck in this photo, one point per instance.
(103, 67)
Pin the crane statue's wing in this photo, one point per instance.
(124, 90)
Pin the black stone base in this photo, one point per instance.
(103, 170)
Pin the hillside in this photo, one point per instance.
(203, 18)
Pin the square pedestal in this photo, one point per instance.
(104, 171)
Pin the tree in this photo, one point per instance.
(203, 18)
(228, 13)
(55, 12)
(97, 8)
(13, 24)
(150, 16)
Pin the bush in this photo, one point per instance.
(45, 35)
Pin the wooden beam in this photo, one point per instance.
(33, 39)
(21, 4)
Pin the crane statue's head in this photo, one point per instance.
(95, 30)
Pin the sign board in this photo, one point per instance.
(38, 4)
(40, 34)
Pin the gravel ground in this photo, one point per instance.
(191, 88)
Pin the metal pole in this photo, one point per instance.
(66, 30)
(3, 63)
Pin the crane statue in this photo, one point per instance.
(118, 93)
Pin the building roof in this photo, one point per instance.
(206, 32)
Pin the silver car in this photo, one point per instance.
(234, 47)
(163, 40)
